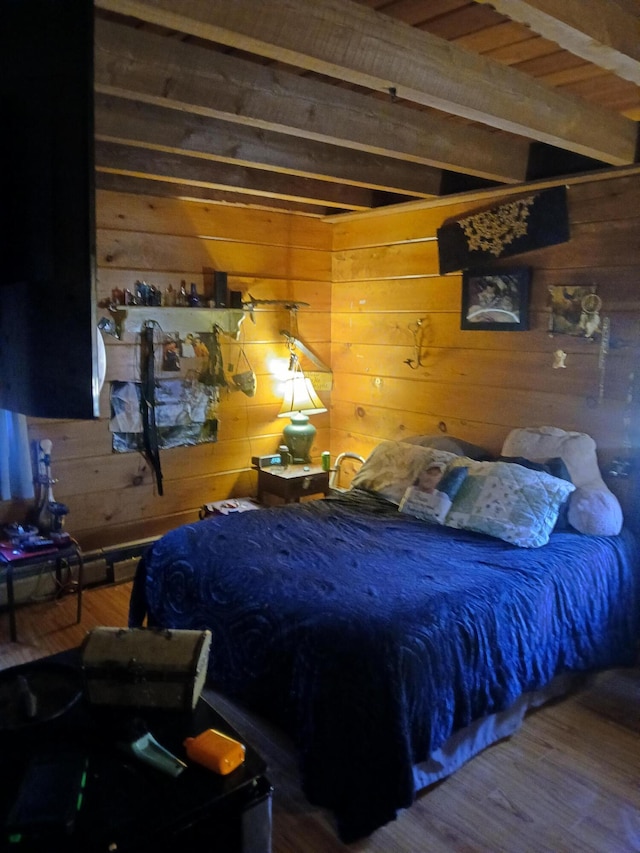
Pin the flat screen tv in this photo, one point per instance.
(48, 337)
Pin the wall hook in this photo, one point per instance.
(417, 332)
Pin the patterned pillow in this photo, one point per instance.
(556, 468)
(433, 502)
(509, 502)
(393, 466)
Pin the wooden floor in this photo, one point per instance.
(568, 781)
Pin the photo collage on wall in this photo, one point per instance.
(188, 375)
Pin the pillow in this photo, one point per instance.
(509, 502)
(433, 502)
(451, 445)
(393, 466)
(556, 468)
(593, 508)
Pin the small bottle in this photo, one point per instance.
(182, 298)
(285, 456)
(194, 300)
(170, 297)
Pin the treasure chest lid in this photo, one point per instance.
(163, 653)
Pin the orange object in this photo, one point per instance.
(215, 750)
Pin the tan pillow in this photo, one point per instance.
(593, 508)
(393, 466)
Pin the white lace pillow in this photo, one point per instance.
(593, 508)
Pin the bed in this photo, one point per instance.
(379, 638)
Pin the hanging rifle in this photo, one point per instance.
(147, 403)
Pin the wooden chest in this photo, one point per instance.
(145, 667)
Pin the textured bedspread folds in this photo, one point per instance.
(372, 637)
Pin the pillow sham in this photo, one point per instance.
(509, 502)
(451, 445)
(393, 466)
(593, 508)
(556, 468)
(432, 502)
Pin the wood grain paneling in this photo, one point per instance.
(112, 497)
(480, 384)
(136, 213)
(368, 279)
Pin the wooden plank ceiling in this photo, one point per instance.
(324, 106)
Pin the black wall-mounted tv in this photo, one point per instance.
(48, 337)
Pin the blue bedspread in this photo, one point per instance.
(371, 636)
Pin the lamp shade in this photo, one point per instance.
(300, 401)
(300, 396)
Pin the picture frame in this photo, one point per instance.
(496, 300)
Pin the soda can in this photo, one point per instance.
(326, 461)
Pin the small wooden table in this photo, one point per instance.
(58, 556)
(292, 482)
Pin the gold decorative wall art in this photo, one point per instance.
(517, 225)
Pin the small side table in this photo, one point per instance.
(293, 482)
(58, 557)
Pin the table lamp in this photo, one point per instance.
(300, 401)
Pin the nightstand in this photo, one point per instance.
(293, 482)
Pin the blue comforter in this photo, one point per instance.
(372, 637)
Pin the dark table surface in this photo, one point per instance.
(126, 802)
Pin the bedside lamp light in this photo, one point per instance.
(300, 401)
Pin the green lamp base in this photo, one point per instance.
(299, 436)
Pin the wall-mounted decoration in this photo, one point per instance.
(496, 300)
(575, 310)
(519, 225)
(417, 330)
(185, 414)
(559, 359)
(243, 376)
(322, 377)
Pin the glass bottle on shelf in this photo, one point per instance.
(182, 298)
(170, 297)
(194, 300)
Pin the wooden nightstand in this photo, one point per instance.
(293, 482)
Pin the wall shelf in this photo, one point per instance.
(182, 320)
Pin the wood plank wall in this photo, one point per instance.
(478, 385)
(475, 385)
(112, 496)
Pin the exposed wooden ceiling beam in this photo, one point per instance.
(353, 43)
(133, 64)
(144, 125)
(156, 165)
(597, 30)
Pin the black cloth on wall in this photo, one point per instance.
(519, 225)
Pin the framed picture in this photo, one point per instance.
(496, 300)
(575, 310)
